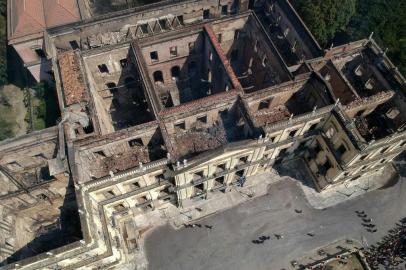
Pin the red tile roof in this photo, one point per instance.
(74, 89)
(33, 16)
(213, 38)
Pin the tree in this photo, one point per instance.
(3, 43)
(5, 130)
(326, 17)
(403, 55)
(386, 18)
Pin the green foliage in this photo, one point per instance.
(387, 19)
(46, 109)
(356, 19)
(402, 55)
(326, 17)
(40, 90)
(3, 7)
(4, 100)
(5, 130)
(3, 42)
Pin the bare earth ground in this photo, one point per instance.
(15, 113)
(353, 263)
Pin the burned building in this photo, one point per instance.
(175, 102)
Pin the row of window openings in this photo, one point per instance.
(200, 119)
(173, 51)
(175, 73)
(104, 69)
(327, 165)
(383, 150)
(145, 28)
(206, 12)
(133, 185)
(140, 200)
(128, 83)
(219, 168)
(366, 166)
(292, 133)
(219, 181)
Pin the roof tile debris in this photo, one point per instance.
(119, 162)
(72, 81)
(192, 142)
(265, 117)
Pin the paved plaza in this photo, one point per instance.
(228, 244)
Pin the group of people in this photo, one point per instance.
(391, 251)
(261, 239)
(367, 222)
(197, 225)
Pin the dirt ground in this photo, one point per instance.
(353, 263)
(14, 112)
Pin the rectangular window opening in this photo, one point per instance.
(159, 177)
(135, 142)
(236, 34)
(154, 56)
(100, 153)
(173, 51)
(341, 150)
(198, 175)
(219, 181)
(224, 10)
(144, 28)
(74, 44)
(219, 36)
(206, 14)
(180, 19)
(292, 133)
(312, 127)
(142, 199)
(199, 188)
(119, 207)
(180, 125)
(192, 46)
(123, 63)
(40, 53)
(282, 152)
(103, 68)
(325, 167)
(264, 104)
(136, 185)
(202, 119)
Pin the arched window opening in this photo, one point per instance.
(112, 87)
(175, 72)
(158, 77)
